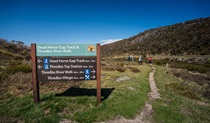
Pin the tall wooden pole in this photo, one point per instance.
(98, 67)
(34, 74)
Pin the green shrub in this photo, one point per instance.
(113, 68)
(191, 67)
(121, 64)
(120, 69)
(19, 68)
(28, 57)
(18, 58)
(207, 93)
(161, 62)
(184, 90)
(158, 62)
(3, 76)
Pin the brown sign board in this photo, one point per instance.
(66, 68)
(65, 62)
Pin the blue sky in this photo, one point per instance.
(91, 21)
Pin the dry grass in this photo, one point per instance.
(194, 84)
(21, 83)
(18, 83)
(201, 79)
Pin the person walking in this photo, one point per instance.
(132, 59)
(140, 60)
(150, 61)
(129, 57)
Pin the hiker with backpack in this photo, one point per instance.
(150, 61)
(140, 60)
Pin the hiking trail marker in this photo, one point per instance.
(65, 62)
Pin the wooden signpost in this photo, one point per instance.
(65, 62)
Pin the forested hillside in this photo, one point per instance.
(186, 38)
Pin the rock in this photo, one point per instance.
(131, 88)
(119, 79)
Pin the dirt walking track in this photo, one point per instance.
(146, 113)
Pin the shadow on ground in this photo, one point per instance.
(105, 92)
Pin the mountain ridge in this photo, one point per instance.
(186, 38)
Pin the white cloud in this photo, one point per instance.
(108, 41)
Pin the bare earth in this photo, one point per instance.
(146, 114)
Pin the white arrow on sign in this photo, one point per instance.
(93, 71)
(39, 66)
(93, 77)
(39, 60)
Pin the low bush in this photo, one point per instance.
(199, 79)
(206, 93)
(191, 67)
(185, 90)
(158, 62)
(28, 57)
(3, 76)
(120, 68)
(19, 68)
(202, 83)
(113, 68)
(121, 64)
(161, 62)
(17, 83)
(18, 58)
(16, 66)
(134, 69)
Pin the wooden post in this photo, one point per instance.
(98, 67)
(34, 74)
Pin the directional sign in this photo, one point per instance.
(65, 62)
(66, 68)
(66, 49)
